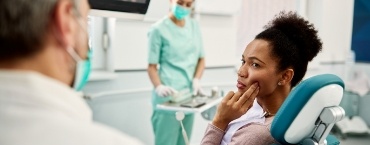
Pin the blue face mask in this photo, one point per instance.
(180, 12)
(83, 67)
(82, 71)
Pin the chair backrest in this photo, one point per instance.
(309, 111)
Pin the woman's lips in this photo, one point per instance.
(240, 85)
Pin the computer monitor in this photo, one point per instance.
(128, 9)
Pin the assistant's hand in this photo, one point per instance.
(197, 88)
(165, 91)
(234, 105)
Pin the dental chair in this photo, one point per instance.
(309, 112)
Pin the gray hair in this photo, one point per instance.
(23, 26)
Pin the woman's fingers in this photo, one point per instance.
(228, 96)
(233, 106)
(249, 102)
(236, 97)
(238, 102)
(223, 115)
(248, 95)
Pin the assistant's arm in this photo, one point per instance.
(200, 68)
(154, 53)
(153, 74)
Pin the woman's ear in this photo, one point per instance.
(287, 76)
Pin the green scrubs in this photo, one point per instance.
(177, 51)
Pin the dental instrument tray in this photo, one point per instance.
(192, 105)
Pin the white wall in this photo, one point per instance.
(219, 40)
(255, 14)
(131, 49)
(333, 19)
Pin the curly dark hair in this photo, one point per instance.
(293, 41)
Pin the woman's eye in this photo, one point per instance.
(243, 61)
(255, 65)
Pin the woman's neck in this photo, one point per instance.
(180, 23)
(272, 103)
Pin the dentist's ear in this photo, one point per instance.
(63, 23)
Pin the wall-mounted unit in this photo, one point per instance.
(147, 10)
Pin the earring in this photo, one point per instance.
(279, 83)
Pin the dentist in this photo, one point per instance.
(44, 59)
(175, 44)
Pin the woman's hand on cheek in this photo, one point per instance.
(233, 106)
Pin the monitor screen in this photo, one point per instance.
(135, 1)
(127, 6)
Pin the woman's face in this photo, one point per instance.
(258, 66)
(184, 3)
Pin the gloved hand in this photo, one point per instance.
(165, 91)
(197, 88)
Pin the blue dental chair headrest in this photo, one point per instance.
(310, 111)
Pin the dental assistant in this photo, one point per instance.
(175, 44)
(44, 61)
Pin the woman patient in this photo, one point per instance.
(272, 64)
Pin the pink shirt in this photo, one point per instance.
(249, 134)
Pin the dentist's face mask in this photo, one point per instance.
(180, 12)
(83, 67)
(82, 70)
